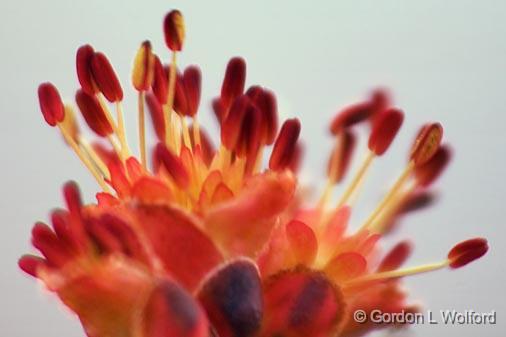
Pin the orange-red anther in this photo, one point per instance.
(426, 143)
(51, 104)
(144, 67)
(467, 251)
(384, 130)
(396, 257)
(83, 66)
(350, 116)
(160, 81)
(427, 173)
(284, 147)
(265, 100)
(233, 83)
(232, 125)
(174, 30)
(192, 79)
(173, 165)
(93, 113)
(156, 111)
(105, 78)
(340, 157)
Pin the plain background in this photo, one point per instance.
(444, 60)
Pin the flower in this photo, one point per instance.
(208, 243)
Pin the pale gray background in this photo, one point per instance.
(446, 60)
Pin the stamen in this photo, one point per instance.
(384, 130)
(83, 66)
(426, 143)
(350, 116)
(51, 104)
(466, 252)
(174, 30)
(396, 257)
(233, 83)
(284, 148)
(357, 179)
(159, 85)
(427, 173)
(106, 78)
(93, 114)
(156, 111)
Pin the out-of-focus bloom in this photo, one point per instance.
(208, 242)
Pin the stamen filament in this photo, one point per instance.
(85, 160)
(121, 129)
(170, 98)
(357, 178)
(395, 188)
(142, 129)
(186, 132)
(196, 130)
(379, 225)
(92, 154)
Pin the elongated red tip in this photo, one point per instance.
(232, 124)
(467, 251)
(156, 112)
(192, 79)
(396, 257)
(51, 104)
(174, 30)
(285, 145)
(105, 78)
(93, 113)
(144, 67)
(173, 165)
(341, 156)
(160, 81)
(265, 101)
(426, 143)
(30, 263)
(350, 116)
(427, 173)
(384, 130)
(233, 83)
(83, 66)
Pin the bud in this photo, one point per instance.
(233, 83)
(427, 173)
(83, 66)
(51, 104)
(93, 113)
(106, 78)
(384, 130)
(284, 147)
(426, 143)
(467, 251)
(174, 30)
(143, 70)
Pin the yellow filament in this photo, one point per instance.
(85, 160)
(399, 272)
(186, 132)
(196, 131)
(391, 194)
(357, 178)
(326, 194)
(94, 157)
(125, 150)
(108, 115)
(170, 97)
(379, 225)
(142, 129)
(116, 147)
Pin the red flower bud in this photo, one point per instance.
(51, 104)
(106, 78)
(93, 113)
(173, 28)
(384, 130)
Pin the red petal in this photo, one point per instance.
(301, 303)
(303, 241)
(151, 190)
(51, 104)
(346, 266)
(232, 299)
(186, 252)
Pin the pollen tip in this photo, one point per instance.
(466, 252)
(51, 103)
(83, 67)
(105, 78)
(93, 113)
(143, 68)
(427, 173)
(285, 145)
(426, 143)
(385, 128)
(174, 30)
(234, 81)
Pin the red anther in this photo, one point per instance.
(297, 157)
(427, 173)
(396, 257)
(380, 99)
(265, 100)
(160, 81)
(192, 78)
(426, 143)
(250, 133)
(83, 66)
(105, 78)
(384, 130)
(419, 199)
(51, 104)
(156, 111)
(173, 165)
(350, 116)
(285, 145)
(30, 263)
(341, 155)
(467, 251)
(231, 126)
(173, 28)
(233, 83)
(180, 100)
(144, 67)
(93, 113)
(219, 110)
